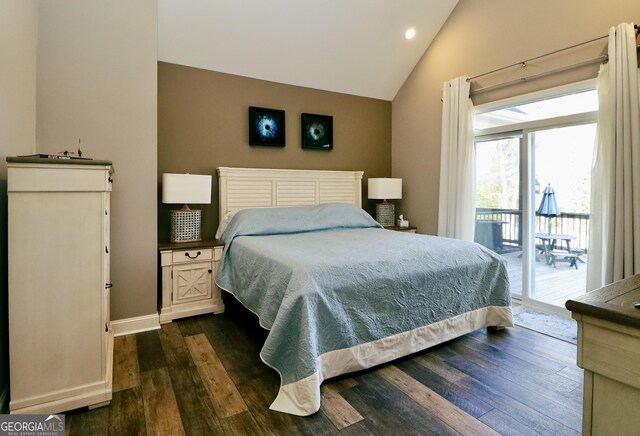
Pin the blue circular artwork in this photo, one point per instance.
(266, 127)
(316, 131)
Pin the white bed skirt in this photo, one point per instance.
(303, 397)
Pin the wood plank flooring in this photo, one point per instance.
(203, 376)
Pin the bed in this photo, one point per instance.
(337, 292)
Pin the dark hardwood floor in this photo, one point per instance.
(203, 376)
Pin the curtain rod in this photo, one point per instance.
(524, 63)
(603, 58)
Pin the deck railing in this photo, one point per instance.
(568, 223)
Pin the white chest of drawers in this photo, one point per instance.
(60, 340)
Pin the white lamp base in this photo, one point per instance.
(386, 213)
(186, 225)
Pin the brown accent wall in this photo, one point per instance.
(481, 36)
(203, 124)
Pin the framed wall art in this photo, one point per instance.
(317, 132)
(266, 127)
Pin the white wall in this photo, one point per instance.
(97, 80)
(18, 38)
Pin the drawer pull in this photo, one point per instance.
(210, 271)
(193, 257)
(106, 249)
(108, 285)
(106, 327)
(110, 180)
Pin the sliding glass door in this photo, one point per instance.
(499, 200)
(533, 163)
(562, 178)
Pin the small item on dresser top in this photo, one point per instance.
(402, 222)
(64, 155)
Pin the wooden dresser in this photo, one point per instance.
(609, 352)
(60, 339)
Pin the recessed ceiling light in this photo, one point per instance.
(410, 33)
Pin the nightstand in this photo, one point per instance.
(402, 229)
(188, 279)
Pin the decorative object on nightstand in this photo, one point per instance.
(188, 279)
(183, 189)
(385, 189)
(402, 222)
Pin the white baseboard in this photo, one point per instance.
(4, 400)
(138, 324)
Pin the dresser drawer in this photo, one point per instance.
(181, 256)
(611, 350)
(58, 178)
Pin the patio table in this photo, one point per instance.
(549, 242)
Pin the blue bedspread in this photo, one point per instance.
(328, 278)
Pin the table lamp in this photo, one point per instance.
(183, 189)
(385, 189)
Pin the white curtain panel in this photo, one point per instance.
(456, 213)
(614, 241)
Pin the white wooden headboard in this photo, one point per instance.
(240, 188)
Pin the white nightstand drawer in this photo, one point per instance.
(198, 254)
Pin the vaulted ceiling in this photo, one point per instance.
(350, 46)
